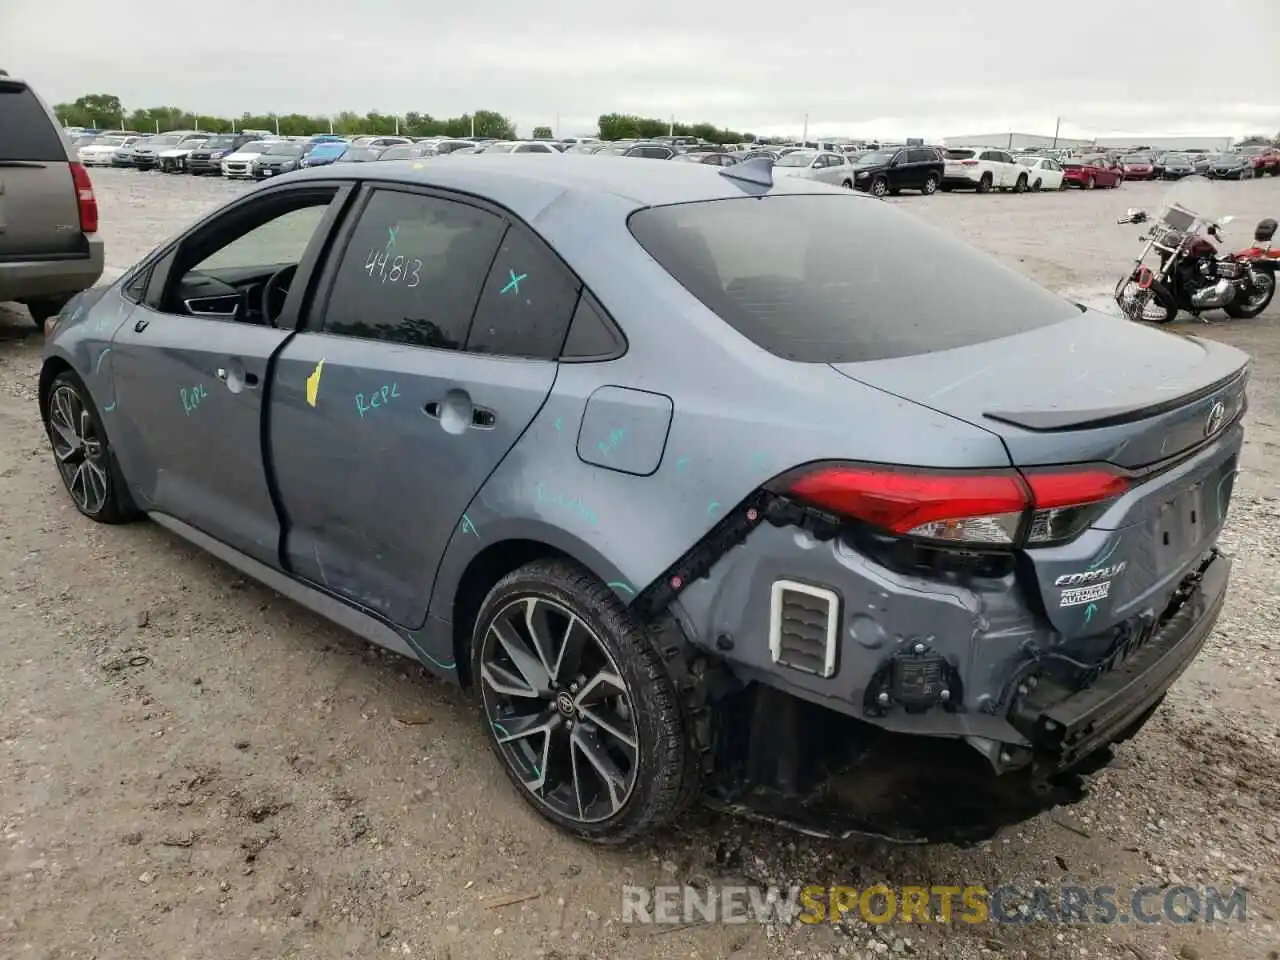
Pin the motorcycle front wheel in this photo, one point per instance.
(1145, 306)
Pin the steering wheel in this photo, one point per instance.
(278, 284)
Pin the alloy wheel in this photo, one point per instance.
(562, 715)
(1264, 282)
(80, 449)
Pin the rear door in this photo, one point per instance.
(39, 210)
(190, 365)
(431, 352)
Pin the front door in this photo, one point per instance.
(190, 367)
(393, 407)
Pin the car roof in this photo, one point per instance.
(527, 185)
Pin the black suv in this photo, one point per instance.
(894, 169)
(207, 158)
(49, 244)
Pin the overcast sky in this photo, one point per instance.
(927, 68)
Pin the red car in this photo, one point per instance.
(1264, 160)
(1138, 166)
(1090, 172)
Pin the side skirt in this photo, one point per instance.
(362, 625)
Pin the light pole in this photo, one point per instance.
(805, 136)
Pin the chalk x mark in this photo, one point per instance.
(514, 285)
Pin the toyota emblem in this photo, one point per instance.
(1217, 413)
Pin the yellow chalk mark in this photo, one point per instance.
(313, 383)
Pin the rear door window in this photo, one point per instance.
(819, 278)
(412, 270)
(527, 302)
(26, 132)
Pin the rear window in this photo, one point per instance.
(960, 154)
(28, 133)
(840, 279)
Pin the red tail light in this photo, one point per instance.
(991, 508)
(968, 163)
(85, 199)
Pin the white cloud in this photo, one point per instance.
(927, 68)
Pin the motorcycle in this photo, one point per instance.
(1191, 275)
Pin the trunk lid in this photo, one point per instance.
(1090, 390)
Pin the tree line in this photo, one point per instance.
(104, 110)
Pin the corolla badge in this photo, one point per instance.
(1217, 414)
(1091, 576)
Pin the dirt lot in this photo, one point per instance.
(261, 785)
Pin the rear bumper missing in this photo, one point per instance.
(1065, 727)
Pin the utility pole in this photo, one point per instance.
(671, 127)
(397, 124)
(1056, 127)
(473, 125)
(331, 125)
(277, 126)
(804, 138)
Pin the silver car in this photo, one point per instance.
(821, 165)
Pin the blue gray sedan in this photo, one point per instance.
(705, 484)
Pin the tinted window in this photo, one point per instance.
(960, 154)
(28, 133)
(776, 269)
(527, 301)
(591, 337)
(412, 271)
(923, 156)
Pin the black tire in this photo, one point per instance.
(1035, 187)
(664, 776)
(1021, 185)
(930, 185)
(879, 187)
(41, 310)
(984, 184)
(1243, 311)
(1063, 184)
(847, 184)
(1091, 184)
(94, 463)
(945, 188)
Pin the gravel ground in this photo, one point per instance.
(262, 785)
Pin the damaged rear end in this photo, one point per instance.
(1036, 612)
(934, 651)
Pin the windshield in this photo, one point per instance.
(108, 141)
(164, 140)
(1193, 197)
(1252, 151)
(254, 146)
(284, 149)
(776, 269)
(800, 158)
(1227, 158)
(1176, 158)
(1028, 161)
(876, 157)
(362, 153)
(500, 148)
(220, 142)
(1137, 158)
